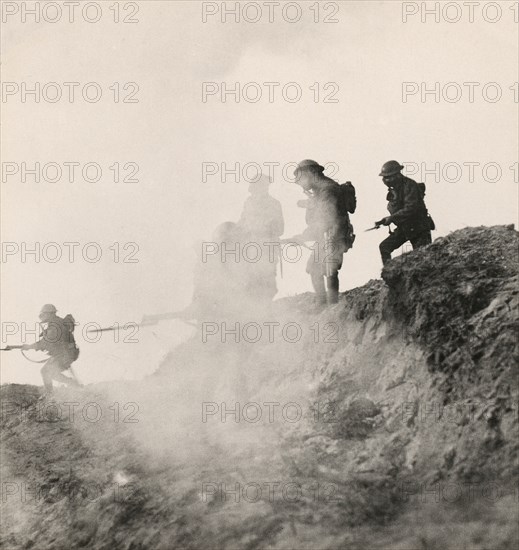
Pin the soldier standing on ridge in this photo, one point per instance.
(407, 209)
(262, 222)
(328, 225)
(57, 339)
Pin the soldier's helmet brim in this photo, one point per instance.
(308, 164)
(391, 168)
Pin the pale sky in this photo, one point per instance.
(170, 133)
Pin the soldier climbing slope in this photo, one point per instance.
(57, 339)
(408, 211)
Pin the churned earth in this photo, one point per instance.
(389, 421)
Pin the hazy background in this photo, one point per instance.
(170, 133)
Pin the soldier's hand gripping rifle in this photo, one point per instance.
(376, 226)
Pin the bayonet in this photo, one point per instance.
(376, 226)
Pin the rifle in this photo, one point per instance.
(154, 319)
(150, 320)
(10, 348)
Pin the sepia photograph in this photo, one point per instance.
(259, 275)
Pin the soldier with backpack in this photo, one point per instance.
(408, 211)
(57, 339)
(327, 216)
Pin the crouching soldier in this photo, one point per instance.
(329, 226)
(408, 211)
(57, 339)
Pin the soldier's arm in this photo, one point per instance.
(39, 345)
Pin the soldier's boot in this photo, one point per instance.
(333, 289)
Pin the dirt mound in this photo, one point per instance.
(387, 421)
(459, 299)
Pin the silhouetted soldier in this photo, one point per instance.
(328, 225)
(407, 209)
(57, 339)
(262, 222)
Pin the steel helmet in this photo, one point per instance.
(48, 308)
(390, 168)
(308, 164)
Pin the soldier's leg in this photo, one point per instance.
(332, 282)
(394, 241)
(333, 288)
(48, 372)
(319, 288)
(423, 239)
(315, 269)
(53, 370)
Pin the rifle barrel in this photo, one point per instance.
(152, 319)
(184, 316)
(102, 329)
(147, 320)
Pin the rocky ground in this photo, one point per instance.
(390, 423)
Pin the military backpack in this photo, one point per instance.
(347, 204)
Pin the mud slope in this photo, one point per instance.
(389, 421)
